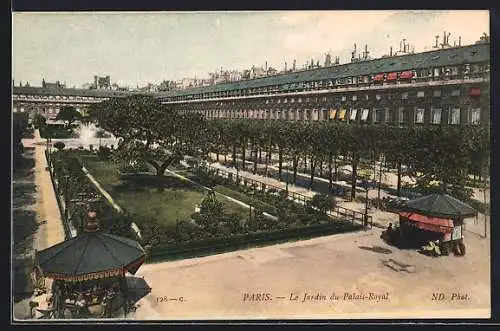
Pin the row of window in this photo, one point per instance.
(454, 116)
(474, 92)
(473, 115)
(55, 97)
(435, 73)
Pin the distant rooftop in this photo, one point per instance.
(434, 58)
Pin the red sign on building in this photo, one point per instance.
(392, 76)
(475, 92)
(406, 75)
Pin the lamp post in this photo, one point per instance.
(365, 219)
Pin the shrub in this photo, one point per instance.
(59, 145)
(104, 153)
(323, 202)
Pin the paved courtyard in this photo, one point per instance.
(357, 275)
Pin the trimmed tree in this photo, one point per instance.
(68, 114)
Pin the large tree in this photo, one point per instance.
(39, 121)
(68, 114)
(151, 132)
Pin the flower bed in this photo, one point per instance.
(71, 183)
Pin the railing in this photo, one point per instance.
(338, 211)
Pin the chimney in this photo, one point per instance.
(459, 41)
(437, 42)
(448, 38)
(265, 67)
(285, 66)
(400, 46)
(294, 64)
(444, 39)
(390, 52)
(95, 81)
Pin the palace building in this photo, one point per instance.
(447, 85)
(444, 86)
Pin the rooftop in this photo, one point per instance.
(441, 57)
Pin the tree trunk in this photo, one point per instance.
(260, 155)
(243, 156)
(255, 161)
(321, 168)
(305, 163)
(160, 171)
(234, 155)
(335, 167)
(379, 182)
(330, 173)
(268, 158)
(398, 188)
(354, 177)
(217, 155)
(295, 166)
(280, 162)
(313, 168)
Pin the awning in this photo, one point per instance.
(333, 112)
(353, 114)
(342, 114)
(430, 223)
(392, 76)
(378, 77)
(441, 205)
(406, 75)
(364, 116)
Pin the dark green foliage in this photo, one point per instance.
(39, 121)
(104, 153)
(59, 145)
(68, 114)
(439, 158)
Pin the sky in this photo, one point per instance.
(136, 48)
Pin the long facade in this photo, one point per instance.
(446, 86)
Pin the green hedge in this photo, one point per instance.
(220, 245)
(56, 133)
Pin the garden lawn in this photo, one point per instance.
(138, 195)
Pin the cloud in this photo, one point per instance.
(320, 31)
(314, 33)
